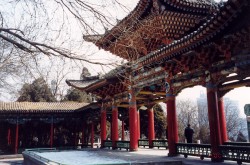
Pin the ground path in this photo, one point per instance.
(143, 155)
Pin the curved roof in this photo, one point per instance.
(40, 107)
(153, 24)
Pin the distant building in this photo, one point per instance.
(202, 104)
(202, 108)
(229, 106)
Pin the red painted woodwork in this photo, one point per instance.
(172, 125)
(222, 118)
(139, 125)
(214, 123)
(92, 135)
(16, 140)
(9, 136)
(83, 130)
(133, 123)
(151, 129)
(123, 136)
(115, 135)
(51, 134)
(103, 126)
(75, 137)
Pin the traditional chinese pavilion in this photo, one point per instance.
(171, 45)
(42, 124)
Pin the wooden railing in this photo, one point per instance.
(123, 144)
(201, 150)
(235, 151)
(107, 143)
(237, 144)
(143, 142)
(160, 143)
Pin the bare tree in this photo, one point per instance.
(203, 122)
(46, 27)
(235, 124)
(187, 114)
(31, 29)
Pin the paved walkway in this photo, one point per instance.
(11, 159)
(143, 155)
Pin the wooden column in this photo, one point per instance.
(214, 123)
(222, 119)
(115, 135)
(139, 124)
(75, 136)
(123, 135)
(92, 135)
(151, 129)
(133, 123)
(9, 137)
(172, 124)
(83, 135)
(51, 132)
(103, 126)
(16, 139)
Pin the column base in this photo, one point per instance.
(217, 160)
(172, 154)
(216, 157)
(133, 150)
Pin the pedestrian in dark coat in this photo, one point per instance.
(189, 134)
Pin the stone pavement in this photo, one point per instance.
(143, 155)
(11, 159)
(160, 155)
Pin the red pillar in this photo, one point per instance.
(9, 136)
(222, 118)
(115, 135)
(51, 134)
(133, 123)
(139, 124)
(172, 125)
(123, 136)
(16, 140)
(75, 136)
(151, 130)
(83, 130)
(103, 126)
(92, 135)
(214, 124)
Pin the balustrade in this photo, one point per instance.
(143, 142)
(160, 143)
(123, 144)
(202, 150)
(236, 151)
(107, 143)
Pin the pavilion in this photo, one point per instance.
(46, 124)
(170, 45)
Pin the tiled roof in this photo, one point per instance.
(81, 83)
(40, 106)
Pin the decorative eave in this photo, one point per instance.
(87, 86)
(215, 26)
(172, 18)
(130, 20)
(90, 84)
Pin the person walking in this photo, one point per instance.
(189, 134)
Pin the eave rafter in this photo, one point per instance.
(110, 89)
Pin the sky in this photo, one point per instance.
(238, 94)
(93, 52)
